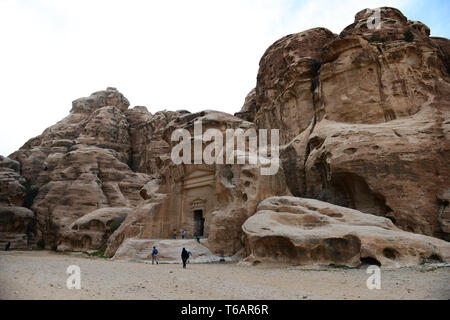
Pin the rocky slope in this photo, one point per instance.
(364, 124)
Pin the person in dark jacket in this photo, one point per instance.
(184, 256)
(155, 255)
(7, 246)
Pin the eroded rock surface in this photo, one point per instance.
(17, 221)
(365, 119)
(92, 230)
(208, 200)
(81, 164)
(16, 227)
(306, 231)
(364, 124)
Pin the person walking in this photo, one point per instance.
(197, 238)
(184, 257)
(155, 255)
(189, 255)
(182, 234)
(8, 244)
(174, 233)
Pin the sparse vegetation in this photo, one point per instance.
(100, 253)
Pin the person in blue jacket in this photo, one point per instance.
(155, 255)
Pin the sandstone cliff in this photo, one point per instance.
(364, 129)
(364, 116)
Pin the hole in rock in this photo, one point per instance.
(370, 261)
(390, 253)
(435, 257)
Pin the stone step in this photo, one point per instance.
(169, 250)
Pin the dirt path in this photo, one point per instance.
(42, 275)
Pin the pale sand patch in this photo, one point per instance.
(42, 275)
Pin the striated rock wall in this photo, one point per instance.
(17, 221)
(79, 165)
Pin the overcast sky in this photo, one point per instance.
(170, 55)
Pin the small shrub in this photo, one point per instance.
(99, 253)
(115, 224)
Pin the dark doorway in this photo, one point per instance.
(199, 222)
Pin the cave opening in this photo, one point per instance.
(370, 261)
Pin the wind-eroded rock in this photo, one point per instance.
(12, 184)
(208, 200)
(364, 121)
(81, 164)
(16, 226)
(100, 99)
(306, 231)
(92, 230)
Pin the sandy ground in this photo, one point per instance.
(42, 275)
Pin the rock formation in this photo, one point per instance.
(209, 200)
(16, 219)
(306, 231)
(79, 165)
(364, 117)
(92, 230)
(364, 129)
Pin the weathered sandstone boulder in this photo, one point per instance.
(305, 231)
(16, 226)
(17, 222)
(100, 99)
(92, 230)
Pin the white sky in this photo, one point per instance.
(170, 55)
